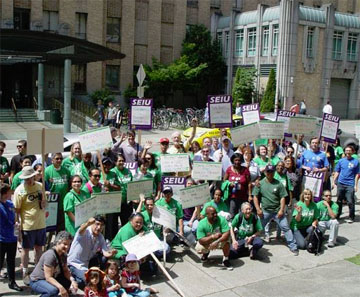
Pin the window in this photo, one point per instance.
(112, 76)
(113, 30)
(337, 44)
(21, 19)
(227, 43)
(351, 48)
(265, 41)
(275, 40)
(239, 40)
(251, 42)
(310, 43)
(50, 20)
(219, 38)
(80, 25)
(80, 78)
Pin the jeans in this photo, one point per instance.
(8, 249)
(139, 293)
(78, 275)
(333, 226)
(160, 253)
(348, 193)
(257, 244)
(284, 226)
(44, 288)
(190, 231)
(300, 236)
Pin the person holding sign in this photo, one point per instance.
(93, 185)
(75, 157)
(178, 147)
(83, 168)
(164, 145)
(213, 233)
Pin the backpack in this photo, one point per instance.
(314, 241)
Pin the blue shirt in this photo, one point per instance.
(7, 221)
(348, 170)
(314, 160)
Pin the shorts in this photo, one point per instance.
(33, 237)
(200, 249)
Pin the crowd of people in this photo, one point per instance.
(261, 184)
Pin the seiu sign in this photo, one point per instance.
(331, 117)
(141, 102)
(286, 113)
(250, 107)
(220, 99)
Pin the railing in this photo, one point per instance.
(13, 106)
(35, 104)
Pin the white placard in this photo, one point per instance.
(174, 163)
(164, 217)
(143, 245)
(271, 130)
(194, 196)
(84, 211)
(51, 211)
(54, 141)
(141, 115)
(245, 133)
(135, 188)
(96, 139)
(302, 125)
(314, 182)
(220, 113)
(207, 170)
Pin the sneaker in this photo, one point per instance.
(227, 264)
(295, 252)
(267, 238)
(349, 221)
(330, 244)
(204, 257)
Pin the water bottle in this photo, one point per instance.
(233, 191)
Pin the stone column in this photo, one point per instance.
(67, 96)
(40, 86)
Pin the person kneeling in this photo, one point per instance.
(249, 227)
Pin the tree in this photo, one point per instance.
(243, 88)
(268, 101)
(105, 95)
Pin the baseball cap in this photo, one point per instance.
(130, 258)
(167, 189)
(270, 168)
(164, 139)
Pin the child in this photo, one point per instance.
(112, 280)
(131, 278)
(95, 283)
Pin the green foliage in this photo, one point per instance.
(243, 88)
(102, 94)
(129, 92)
(268, 101)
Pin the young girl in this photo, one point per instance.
(112, 280)
(95, 283)
(131, 278)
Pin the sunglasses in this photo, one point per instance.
(57, 159)
(19, 146)
(149, 159)
(96, 175)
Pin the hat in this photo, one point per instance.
(87, 273)
(27, 172)
(130, 258)
(269, 168)
(225, 138)
(107, 160)
(164, 139)
(167, 189)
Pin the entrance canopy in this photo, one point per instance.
(19, 46)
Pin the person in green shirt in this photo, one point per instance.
(4, 165)
(305, 218)
(220, 206)
(272, 195)
(73, 198)
(16, 181)
(213, 233)
(328, 211)
(153, 169)
(83, 168)
(338, 151)
(93, 185)
(75, 157)
(249, 228)
(262, 159)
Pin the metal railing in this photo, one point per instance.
(35, 103)
(13, 107)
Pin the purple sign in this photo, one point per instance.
(132, 166)
(220, 111)
(141, 113)
(314, 181)
(177, 183)
(329, 127)
(250, 113)
(284, 116)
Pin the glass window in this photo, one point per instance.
(113, 30)
(351, 48)
(80, 78)
(265, 41)
(219, 38)
(112, 76)
(80, 25)
(239, 41)
(251, 42)
(227, 43)
(50, 20)
(310, 43)
(337, 44)
(275, 40)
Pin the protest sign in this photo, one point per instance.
(250, 113)
(220, 111)
(53, 141)
(132, 166)
(135, 188)
(314, 181)
(96, 139)
(194, 196)
(271, 130)
(207, 170)
(164, 217)
(329, 127)
(176, 183)
(141, 113)
(245, 134)
(51, 211)
(174, 163)
(143, 245)
(302, 125)
(85, 210)
(284, 116)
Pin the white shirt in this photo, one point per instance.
(327, 108)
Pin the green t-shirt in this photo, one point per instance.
(71, 199)
(246, 226)
(126, 232)
(124, 176)
(58, 181)
(156, 175)
(81, 170)
(95, 189)
(285, 181)
(112, 178)
(173, 206)
(70, 164)
(323, 210)
(4, 165)
(205, 228)
(16, 181)
(262, 164)
(221, 206)
(270, 194)
(308, 215)
(338, 151)
(150, 225)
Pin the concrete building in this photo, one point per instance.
(314, 51)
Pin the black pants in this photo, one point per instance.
(8, 248)
(125, 213)
(112, 225)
